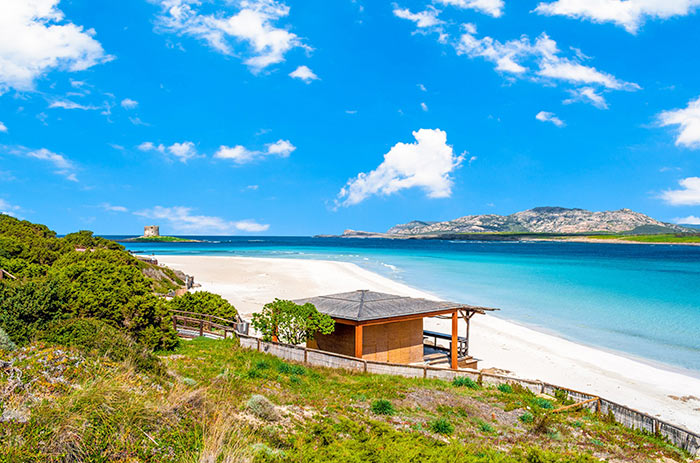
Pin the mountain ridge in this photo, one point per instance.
(546, 219)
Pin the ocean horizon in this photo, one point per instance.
(637, 299)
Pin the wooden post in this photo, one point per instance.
(174, 323)
(455, 341)
(358, 341)
(201, 328)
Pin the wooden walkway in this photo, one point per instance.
(193, 324)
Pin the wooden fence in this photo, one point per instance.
(193, 324)
(626, 416)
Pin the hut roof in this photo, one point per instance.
(365, 305)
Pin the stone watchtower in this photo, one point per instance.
(151, 230)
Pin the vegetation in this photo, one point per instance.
(464, 381)
(660, 238)
(161, 239)
(291, 323)
(72, 404)
(206, 303)
(77, 276)
(382, 407)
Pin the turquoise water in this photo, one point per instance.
(643, 300)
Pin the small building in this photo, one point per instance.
(389, 328)
(151, 231)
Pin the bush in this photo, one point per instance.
(464, 381)
(543, 403)
(291, 323)
(99, 338)
(261, 407)
(441, 426)
(485, 427)
(5, 342)
(382, 407)
(206, 303)
(527, 417)
(505, 388)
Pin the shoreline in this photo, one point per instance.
(521, 350)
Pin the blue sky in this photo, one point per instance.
(299, 117)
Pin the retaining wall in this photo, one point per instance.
(624, 415)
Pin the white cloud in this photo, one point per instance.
(688, 122)
(182, 151)
(587, 95)
(423, 19)
(303, 73)
(182, 220)
(350, 111)
(8, 209)
(541, 61)
(67, 104)
(688, 195)
(545, 116)
(425, 164)
(63, 166)
(630, 14)
(252, 24)
(35, 39)
(422, 88)
(3, 127)
(490, 7)
(690, 220)
(424, 106)
(110, 208)
(242, 155)
(128, 103)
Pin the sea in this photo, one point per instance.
(642, 300)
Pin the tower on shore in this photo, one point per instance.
(151, 230)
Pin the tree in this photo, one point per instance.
(204, 302)
(291, 323)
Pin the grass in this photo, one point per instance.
(662, 238)
(81, 406)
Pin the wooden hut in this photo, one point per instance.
(388, 328)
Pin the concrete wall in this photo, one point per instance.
(624, 415)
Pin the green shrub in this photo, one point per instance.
(441, 426)
(206, 303)
(382, 407)
(5, 342)
(485, 427)
(291, 323)
(543, 403)
(562, 397)
(464, 381)
(99, 338)
(505, 388)
(261, 407)
(527, 417)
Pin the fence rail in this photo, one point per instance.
(626, 416)
(192, 324)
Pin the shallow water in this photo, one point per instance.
(640, 299)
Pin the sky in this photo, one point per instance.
(298, 117)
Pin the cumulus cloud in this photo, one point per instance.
(128, 103)
(303, 73)
(687, 195)
(35, 38)
(63, 165)
(424, 107)
(423, 19)
(630, 14)
(688, 122)
(425, 164)
(242, 155)
(690, 220)
(183, 220)
(111, 208)
(3, 127)
(491, 7)
(68, 104)
(545, 116)
(587, 95)
(253, 24)
(8, 209)
(541, 61)
(183, 152)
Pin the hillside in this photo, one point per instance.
(551, 220)
(220, 403)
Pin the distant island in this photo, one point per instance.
(545, 224)
(151, 234)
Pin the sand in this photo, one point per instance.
(249, 283)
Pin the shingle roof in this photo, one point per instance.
(365, 305)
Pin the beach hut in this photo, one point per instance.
(389, 328)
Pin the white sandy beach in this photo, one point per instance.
(249, 283)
